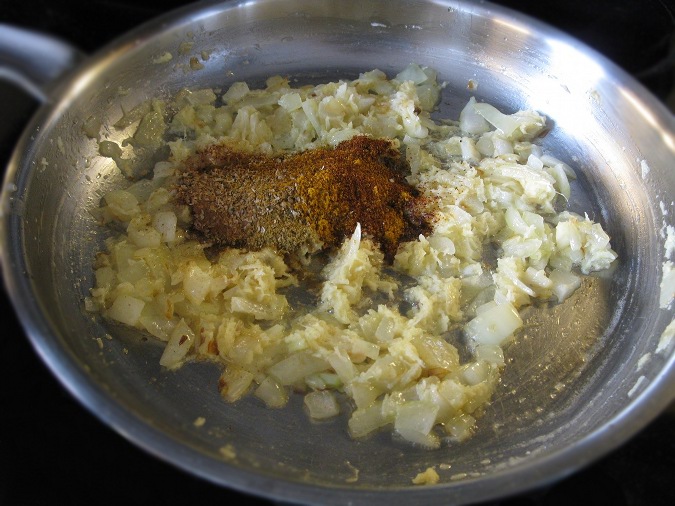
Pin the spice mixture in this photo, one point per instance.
(308, 199)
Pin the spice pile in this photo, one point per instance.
(306, 200)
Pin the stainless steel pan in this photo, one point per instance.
(583, 378)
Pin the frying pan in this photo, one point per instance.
(583, 378)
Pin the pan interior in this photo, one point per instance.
(577, 366)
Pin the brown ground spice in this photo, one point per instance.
(312, 199)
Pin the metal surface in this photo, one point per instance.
(582, 379)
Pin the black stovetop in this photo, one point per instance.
(54, 452)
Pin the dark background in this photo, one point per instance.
(54, 452)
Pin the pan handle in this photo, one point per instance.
(33, 60)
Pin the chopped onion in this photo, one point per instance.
(470, 121)
(271, 393)
(414, 422)
(181, 340)
(126, 309)
(196, 283)
(490, 353)
(412, 73)
(379, 338)
(366, 420)
(564, 283)
(165, 223)
(321, 404)
(291, 101)
(506, 124)
(236, 92)
(295, 367)
(475, 372)
(122, 204)
(235, 383)
(461, 427)
(494, 324)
